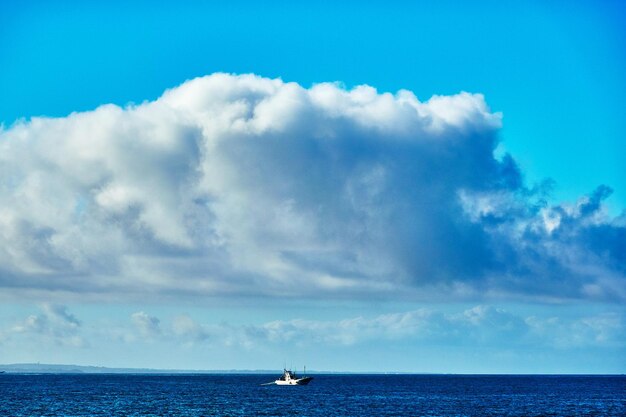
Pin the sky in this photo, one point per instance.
(415, 186)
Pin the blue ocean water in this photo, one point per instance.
(326, 395)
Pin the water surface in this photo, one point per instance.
(326, 395)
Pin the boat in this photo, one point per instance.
(290, 378)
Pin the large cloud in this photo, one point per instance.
(243, 185)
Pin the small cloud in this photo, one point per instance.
(603, 330)
(184, 327)
(54, 322)
(147, 326)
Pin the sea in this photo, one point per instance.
(326, 395)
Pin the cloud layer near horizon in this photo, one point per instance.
(480, 325)
(242, 185)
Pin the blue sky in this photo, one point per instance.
(477, 234)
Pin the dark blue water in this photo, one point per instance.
(327, 395)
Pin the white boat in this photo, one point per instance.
(290, 378)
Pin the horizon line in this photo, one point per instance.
(50, 368)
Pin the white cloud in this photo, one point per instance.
(481, 325)
(243, 185)
(607, 329)
(147, 326)
(54, 323)
(184, 327)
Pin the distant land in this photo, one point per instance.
(42, 368)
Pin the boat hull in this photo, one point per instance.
(299, 381)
